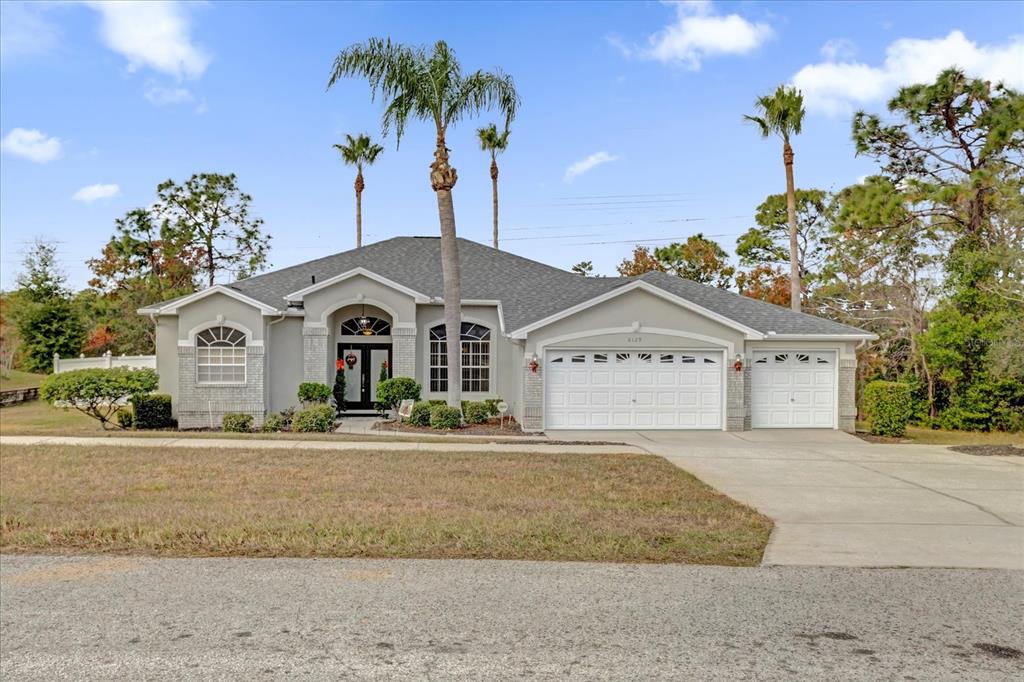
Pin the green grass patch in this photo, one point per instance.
(17, 379)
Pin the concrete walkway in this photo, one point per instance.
(839, 501)
(338, 445)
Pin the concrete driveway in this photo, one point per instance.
(839, 501)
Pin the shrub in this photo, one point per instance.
(99, 393)
(274, 423)
(436, 402)
(152, 411)
(492, 406)
(312, 392)
(444, 417)
(237, 422)
(420, 415)
(315, 419)
(125, 419)
(476, 413)
(393, 391)
(339, 390)
(888, 407)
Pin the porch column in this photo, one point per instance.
(403, 350)
(533, 396)
(737, 397)
(314, 354)
(848, 394)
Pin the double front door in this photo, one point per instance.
(362, 372)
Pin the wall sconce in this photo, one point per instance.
(533, 363)
(738, 365)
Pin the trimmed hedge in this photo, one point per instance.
(152, 411)
(476, 413)
(125, 419)
(492, 406)
(314, 392)
(444, 417)
(316, 419)
(888, 407)
(99, 393)
(391, 392)
(420, 415)
(237, 422)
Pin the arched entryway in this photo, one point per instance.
(364, 351)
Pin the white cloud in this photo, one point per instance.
(837, 87)
(583, 165)
(32, 145)
(161, 96)
(697, 33)
(152, 34)
(91, 193)
(839, 48)
(24, 31)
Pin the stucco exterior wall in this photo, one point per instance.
(167, 357)
(284, 363)
(203, 313)
(321, 303)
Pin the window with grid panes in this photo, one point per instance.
(220, 356)
(475, 341)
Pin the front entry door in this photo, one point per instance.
(362, 375)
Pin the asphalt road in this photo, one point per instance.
(180, 619)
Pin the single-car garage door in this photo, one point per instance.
(793, 389)
(631, 389)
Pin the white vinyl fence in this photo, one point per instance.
(105, 361)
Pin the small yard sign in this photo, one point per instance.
(405, 408)
(502, 406)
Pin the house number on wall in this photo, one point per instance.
(634, 339)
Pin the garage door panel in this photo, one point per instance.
(793, 389)
(634, 389)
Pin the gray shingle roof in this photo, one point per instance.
(529, 291)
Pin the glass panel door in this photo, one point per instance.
(378, 356)
(353, 374)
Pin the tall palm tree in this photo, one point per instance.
(782, 114)
(494, 142)
(359, 151)
(428, 85)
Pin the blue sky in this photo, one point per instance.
(99, 103)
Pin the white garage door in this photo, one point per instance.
(793, 389)
(630, 389)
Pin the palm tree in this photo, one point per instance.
(782, 114)
(358, 151)
(429, 86)
(494, 142)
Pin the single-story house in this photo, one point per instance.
(564, 351)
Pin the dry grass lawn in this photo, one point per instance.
(305, 503)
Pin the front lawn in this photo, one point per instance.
(306, 503)
(17, 379)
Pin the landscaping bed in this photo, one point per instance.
(990, 450)
(491, 427)
(166, 501)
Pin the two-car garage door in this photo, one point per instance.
(633, 389)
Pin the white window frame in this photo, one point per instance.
(245, 342)
(489, 366)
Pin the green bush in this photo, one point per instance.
(125, 419)
(492, 406)
(237, 422)
(274, 423)
(476, 413)
(316, 419)
(888, 407)
(444, 417)
(99, 393)
(312, 392)
(393, 391)
(152, 411)
(420, 415)
(339, 391)
(435, 402)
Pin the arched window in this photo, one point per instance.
(365, 326)
(476, 358)
(220, 356)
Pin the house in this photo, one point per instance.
(564, 351)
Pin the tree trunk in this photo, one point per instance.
(211, 265)
(494, 199)
(794, 262)
(442, 179)
(359, 209)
